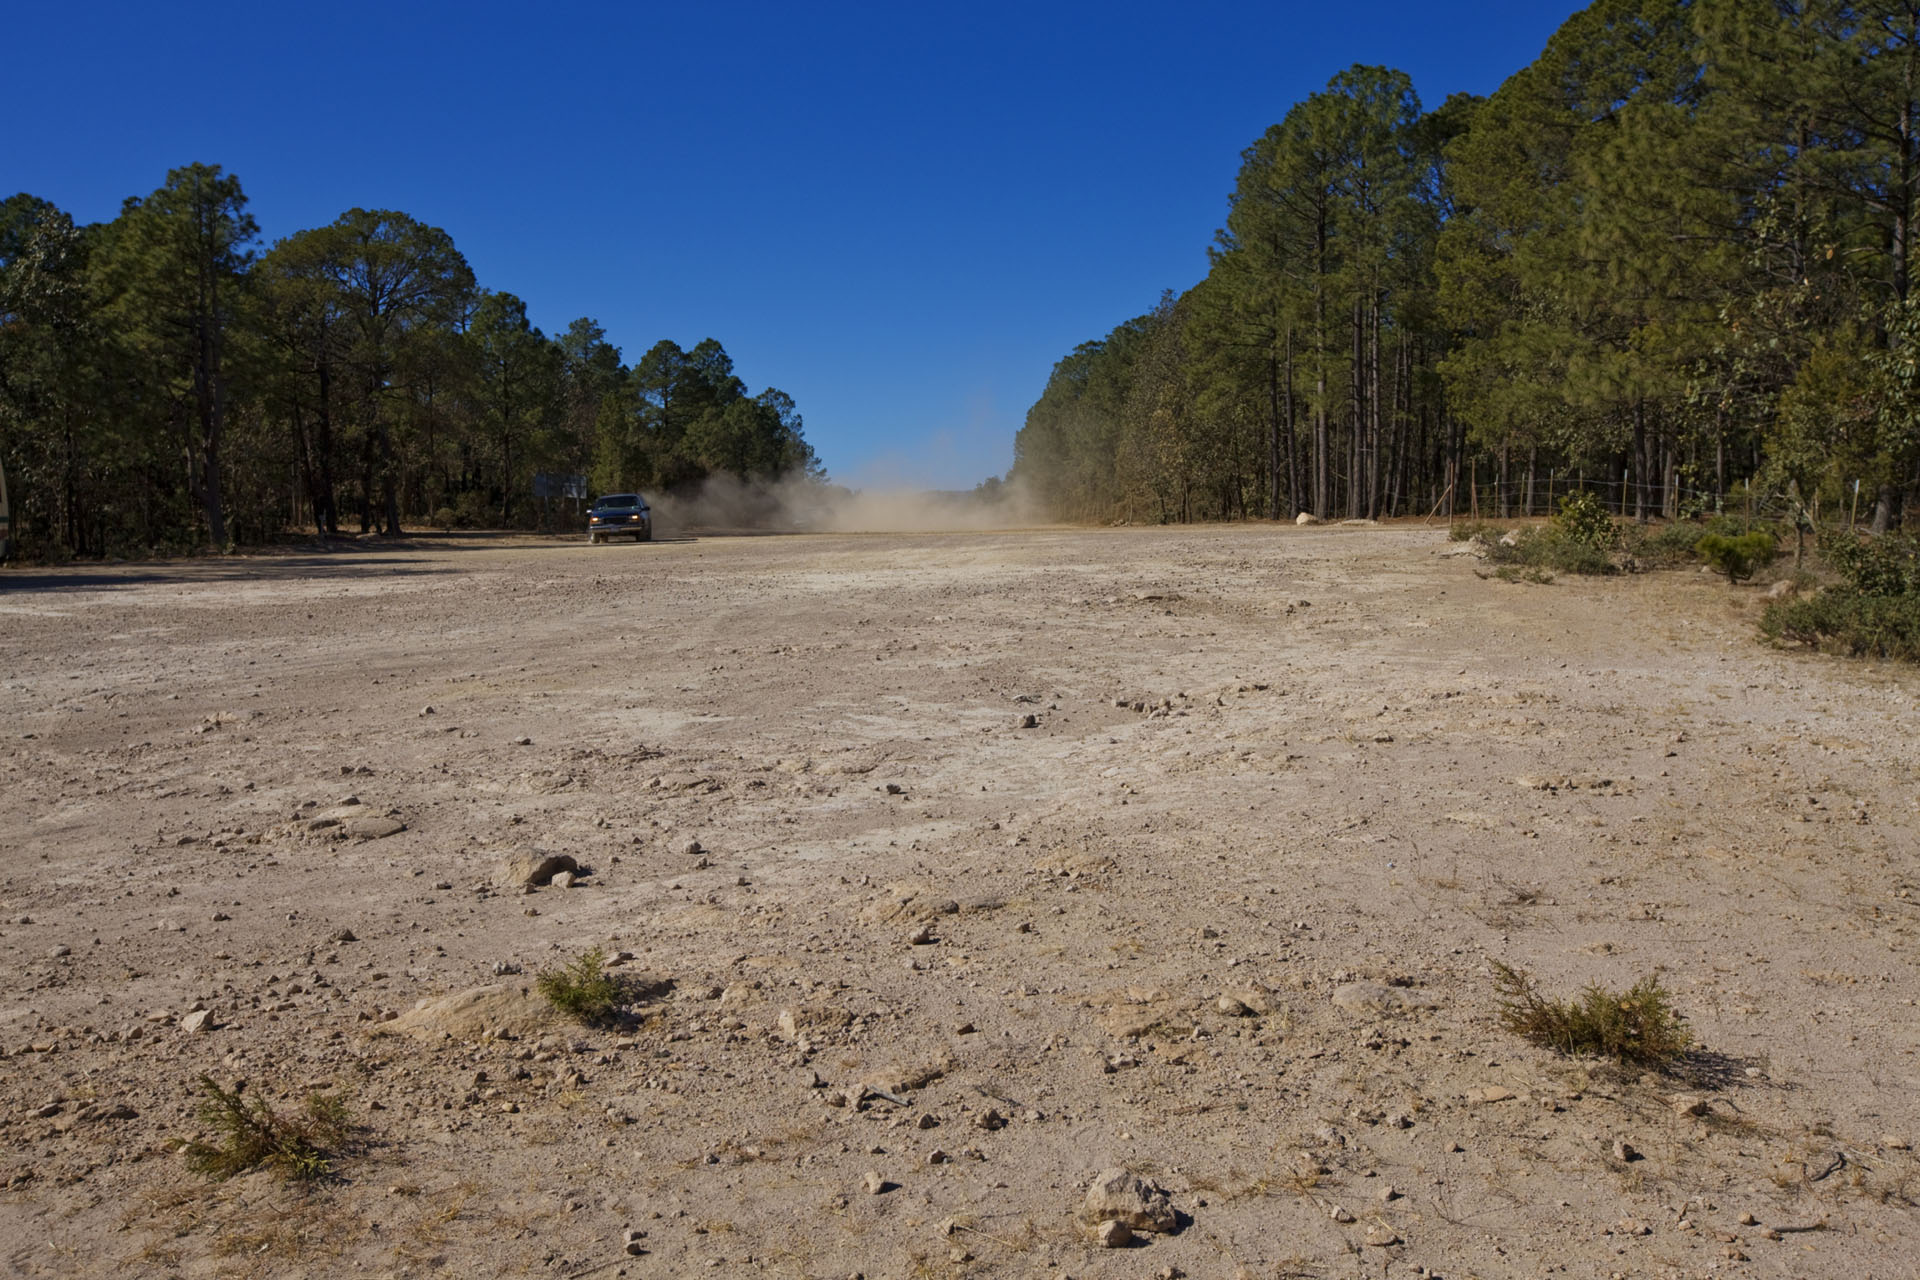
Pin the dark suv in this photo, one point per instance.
(621, 514)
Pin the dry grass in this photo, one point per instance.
(1637, 1027)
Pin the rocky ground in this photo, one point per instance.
(942, 874)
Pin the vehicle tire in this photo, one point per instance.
(593, 539)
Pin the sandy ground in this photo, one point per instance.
(1275, 765)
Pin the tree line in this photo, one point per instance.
(1669, 262)
(166, 383)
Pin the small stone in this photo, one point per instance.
(1495, 1093)
(923, 936)
(926, 1121)
(1113, 1233)
(1689, 1104)
(692, 848)
(563, 879)
(523, 742)
(1748, 1220)
(990, 1120)
(1386, 1194)
(1893, 1142)
(965, 1029)
(873, 1183)
(1632, 1227)
(48, 1112)
(1382, 1237)
(1339, 1215)
(808, 1078)
(196, 1022)
(62, 950)
(1624, 1151)
(1028, 721)
(937, 1156)
(1232, 1008)
(344, 935)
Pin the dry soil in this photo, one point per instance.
(988, 825)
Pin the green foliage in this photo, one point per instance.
(1637, 1027)
(1883, 566)
(1738, 556)
(582, 989)
(1583, 519)
(1552, 548)
(251, 1135)
(1846, 622)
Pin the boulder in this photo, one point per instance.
(1119, 1196)
(536, 867)
(1306, 517)
(471, 1014)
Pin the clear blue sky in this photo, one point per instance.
(900, 214)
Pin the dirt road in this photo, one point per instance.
(1207, 838)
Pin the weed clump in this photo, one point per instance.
(582, 988)
(1637, 1027)
(251, 1135)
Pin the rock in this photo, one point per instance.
(1381, 1236)
(1624, 1151)
(937, 1156)
(808, 1078)
(375, 828)
(1113, 1234)
(1339, 1215)
(1386, 1194)
(927, 1121)
(990, 1120)
(1894, 1142)
(921, 937)
(470, 1014)
(344, 935)
(1028, 721)
(1632, 1227)
(536, 868)
(62, 950)
(563, 879)
(1120, 1195)
(632, 1241)
(522, 742)
(1375, 997)
(1306, 518)
(47, 1112)
(1511, 538)
(1495, 1093)
(1232, 1007)
(1748, 1220)
(874, 1183)
(692, 848)
(1785, 589)
(196, 1022)
(1689, 1104)
(812, 1020)
(108, 1111)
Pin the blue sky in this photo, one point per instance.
(901, 215)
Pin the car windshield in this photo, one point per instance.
(619, 500)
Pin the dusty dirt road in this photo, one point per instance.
(1327, 774)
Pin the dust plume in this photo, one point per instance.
(723, 504)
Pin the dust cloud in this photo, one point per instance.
(723, 504)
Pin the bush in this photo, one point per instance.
(1844, 621)
(1551, 549)
(1467, 530)
(583, 990)
(1583, 519)
(252, 1135)
(1738, 556)
(1637, 1027)
(1883, 566)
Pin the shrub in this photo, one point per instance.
(251, 1135)
(1637, 1027)
(1551, 549)
(583, 989)
(1738, 556)
(1467, 530)
(1583, 519)
(1883, 566)
(444, 519)
(1845, 621)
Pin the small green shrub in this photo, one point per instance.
(251, 1135)
(1738, 556)
(1514, 573)
(582, 989)
(444, 519)
(1637, 1027)
(1583, 519)
(1467, 530)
